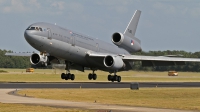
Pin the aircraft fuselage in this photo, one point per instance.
(69, 45)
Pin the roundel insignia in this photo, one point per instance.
(132, 42)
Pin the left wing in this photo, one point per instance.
(18, 54)
(150, 60)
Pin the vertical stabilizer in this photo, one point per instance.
(132, 26)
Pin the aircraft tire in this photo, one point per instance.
(72, 76)
(115, 78)
(90, 76)
(69, 75)
(63, 76)
(109, 77)
(94, 76)
(112, 80)
(118, 78)
(66, 77)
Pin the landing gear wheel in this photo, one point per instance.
(109, 77)
(72, 76)
(112, 79)
(66, 77)
(63, 76)
(115, 78)
(69, 75)
(118, 78)
(90, 76)
(94, 76)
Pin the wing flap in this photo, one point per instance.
(162, 63)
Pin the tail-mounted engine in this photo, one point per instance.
(39, 60)
(125, 42)
(113, 62)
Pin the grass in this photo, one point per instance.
(51, 75)
(32, 108)
(3, 71)
(174, 98)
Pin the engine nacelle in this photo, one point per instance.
(39, 60)
(113, 62)
(130, 44)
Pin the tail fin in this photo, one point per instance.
(132, 26)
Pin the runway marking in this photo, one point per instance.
(6, 98)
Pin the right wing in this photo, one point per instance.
(149, 60)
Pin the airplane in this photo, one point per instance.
(80, 51)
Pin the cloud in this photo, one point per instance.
(182, 8)
(15, 6)
(120, 6)
(167, 8)
(2, 1)
(59, 5)
(35, 3)
(19, 6)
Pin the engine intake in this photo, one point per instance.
(39, 60)
(113, 62)
(125, 42)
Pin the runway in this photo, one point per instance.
(11, 98)
(11, 88)
(22, 85)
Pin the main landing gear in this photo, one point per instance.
(68, 75)
(92, 76)
(114, 78)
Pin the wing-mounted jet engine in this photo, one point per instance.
(125, 42)
(43, 60)
(39, 60)
(113, 62)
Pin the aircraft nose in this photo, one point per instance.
(27, 34)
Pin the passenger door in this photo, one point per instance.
(49, 33)
(97, 47)
(73, 40)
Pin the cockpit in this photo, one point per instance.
(35, 28)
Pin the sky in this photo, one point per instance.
(163, 25)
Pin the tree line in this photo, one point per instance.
(13, 61)
(24, 62)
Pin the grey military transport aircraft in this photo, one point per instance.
(80, 51)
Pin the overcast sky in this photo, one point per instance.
(163, 25)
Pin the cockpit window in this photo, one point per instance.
(40, 29)
(30, 28)
(35, 28)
